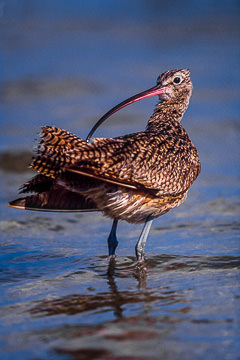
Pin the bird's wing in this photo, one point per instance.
(141, 160)
(159, 163)
(60, 150)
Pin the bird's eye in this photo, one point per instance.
(177, 80)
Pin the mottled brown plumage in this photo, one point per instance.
(134, 177)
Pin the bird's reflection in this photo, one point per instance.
(140, 272)
(114, 293)
(116, 300)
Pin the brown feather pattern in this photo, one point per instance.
(130, 177)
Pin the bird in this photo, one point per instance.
(136, 177)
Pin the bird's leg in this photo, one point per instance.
(112, 240)
(140, 246)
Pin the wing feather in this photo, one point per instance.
(57, 199)
(152, 160)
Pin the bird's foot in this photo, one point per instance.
(141, 260)
(111, 258)
(141, 271)
(111, 265)
(140, 253)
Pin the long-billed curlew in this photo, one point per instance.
(135, 177)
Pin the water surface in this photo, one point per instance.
(66, 64)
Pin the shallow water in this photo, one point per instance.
(67, 65)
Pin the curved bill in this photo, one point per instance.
(156, 90)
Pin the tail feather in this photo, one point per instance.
(55, 137)
(38, 184)
(55, 200)
(57, 149)
(55, 188)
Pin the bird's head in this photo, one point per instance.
(174, 84)
(171, 85)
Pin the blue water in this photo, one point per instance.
(65, 63)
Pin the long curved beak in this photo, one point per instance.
(156, 90)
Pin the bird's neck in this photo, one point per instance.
(166, 111)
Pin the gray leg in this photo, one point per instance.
(140, 246)
(112, 239)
